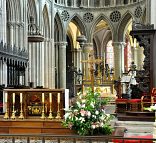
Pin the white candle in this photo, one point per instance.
(50, 97)
(43, 97)
(20, 97)
(6, 96)
(13, 98)
(58, 97)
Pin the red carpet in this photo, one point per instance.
(135, 141)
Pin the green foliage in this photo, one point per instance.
(87, 116)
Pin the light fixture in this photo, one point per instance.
(34, 34)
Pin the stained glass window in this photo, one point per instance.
(110, 54)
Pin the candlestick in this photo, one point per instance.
(13, 98)
(50, 97)
(58, 97)
(6, 96)
(20, 97)
(43, 97)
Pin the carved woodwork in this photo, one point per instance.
(144, 35)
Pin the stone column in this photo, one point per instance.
(52, 51)
(21, 36)
(16, 35)
(118, 58)
(46, 62)
(62, 64)
(11, 42)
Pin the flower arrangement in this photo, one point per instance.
(87, 116)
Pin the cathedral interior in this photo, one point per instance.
(73, 44)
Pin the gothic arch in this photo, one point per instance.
(59, 29)
(46, 26)
(76, 19)
(97, 20)
(122, 25)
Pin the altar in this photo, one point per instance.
(42, 103)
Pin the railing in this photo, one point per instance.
(40, 138)
(95, 3)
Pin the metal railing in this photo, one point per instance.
(48, 138)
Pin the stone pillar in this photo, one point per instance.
(118, 58)
(62, 64)
(46, 62)
(11, 42)
(16, 35)
(3, 19)
(21, 37)
(52, 51)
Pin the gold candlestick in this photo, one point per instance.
(50, 112)
(43, 114)
(6, 116)
(13, 112)
(58, 111)
(21, 113)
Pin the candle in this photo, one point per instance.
(20, 97)
(13, 98)
(50, 97)
(43, 97)
(6, 96)
(58, 97)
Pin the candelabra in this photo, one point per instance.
(50, 112)
(6, 116)
(21, 113)
(43, 113)
(13, 111)
(58, 111)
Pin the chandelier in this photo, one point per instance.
(34, 34)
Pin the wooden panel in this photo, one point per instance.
(61, 131)
(24, 130)
(27, 124)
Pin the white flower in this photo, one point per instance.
(83, 106)
(92, 104)
(89, 113)
(81, 119)
(67, 115)
(83, 101)
(78, 104)
(96, 112)
(93, 126)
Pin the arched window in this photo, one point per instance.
(110, 54)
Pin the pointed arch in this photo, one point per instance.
(97, 20)
(59, 28)
(76, 19)
(46, 26)
(122, 25)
